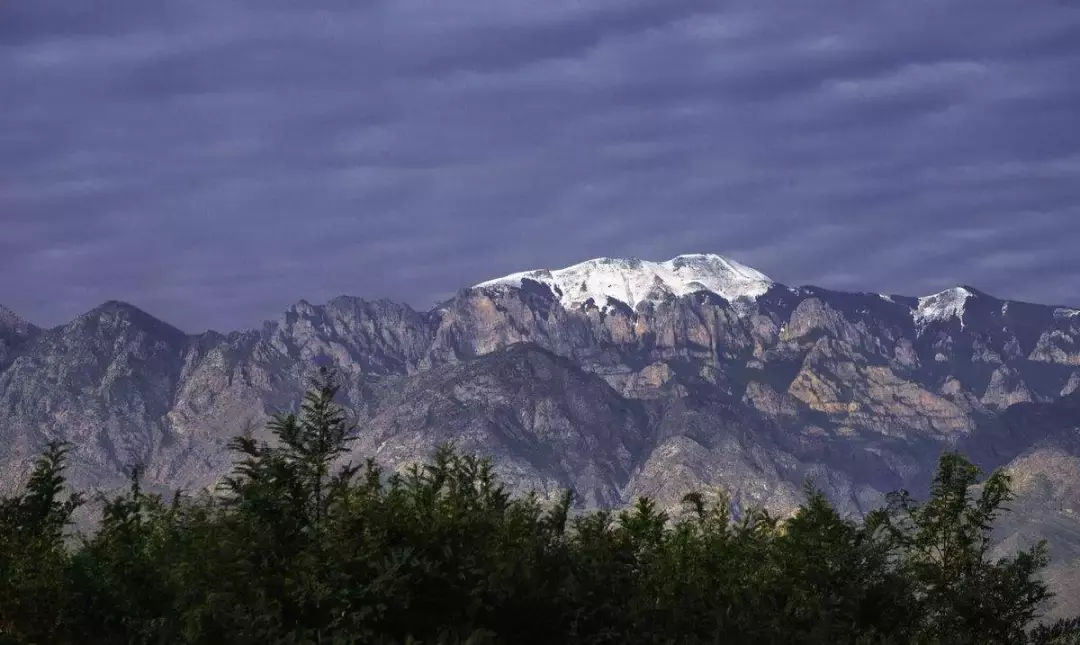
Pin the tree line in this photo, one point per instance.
(293, 550)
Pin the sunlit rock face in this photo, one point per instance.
(615, 377)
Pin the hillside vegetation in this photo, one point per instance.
(295, 549)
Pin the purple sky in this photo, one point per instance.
(213, 161)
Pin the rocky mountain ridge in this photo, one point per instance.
(564, 384)
(857, 364)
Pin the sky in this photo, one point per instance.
(214, 161)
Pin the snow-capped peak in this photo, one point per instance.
(633, 281)
(943, 306)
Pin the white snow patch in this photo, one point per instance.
(885, 297)
(634, 281)
(1066, 313)
(943, 306)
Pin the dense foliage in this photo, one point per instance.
(294, 550)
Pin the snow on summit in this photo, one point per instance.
(633, 281)
(943, 306)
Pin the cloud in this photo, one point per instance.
(215, 161)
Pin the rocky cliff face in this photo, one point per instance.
(704, 374)
(1038, 444)
(14, 331)
(755, 388)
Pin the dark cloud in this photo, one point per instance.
(215, 160)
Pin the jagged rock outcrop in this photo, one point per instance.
(14, 331)
(104, 382)
(807, 361)
(547, 423)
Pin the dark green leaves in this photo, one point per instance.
(302, 548)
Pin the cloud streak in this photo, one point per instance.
(213, 161)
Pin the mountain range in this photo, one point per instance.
(618, 378)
